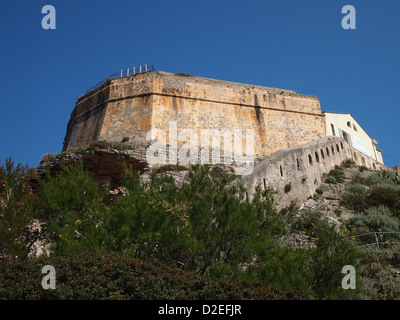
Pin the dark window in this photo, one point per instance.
(333, 129)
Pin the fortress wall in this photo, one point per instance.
(86, 119)
(131, 106)
(129, 109)
(363, 160)
(280, 118)
(293, 166)
(127, 118)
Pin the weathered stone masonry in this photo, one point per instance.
(303, 167)
(131, 106)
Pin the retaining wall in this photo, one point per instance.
(303, 168)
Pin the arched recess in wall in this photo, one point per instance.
(322, 154)
(327, 151)
(316, 156)
(337, 148)
(363, 161)
(309, 159)
(298, 164)
(281, 171)
(333, 150)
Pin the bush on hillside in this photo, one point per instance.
(71, 205)
(105, 276)
(388, 196)
(16, 206)
(335, 176)
(354, 196)
(379, 275)
(382, 176)
(375, 219)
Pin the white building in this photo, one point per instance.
(345, 126)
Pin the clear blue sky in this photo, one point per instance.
(296, 44)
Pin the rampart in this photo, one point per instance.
(131, 106)
(303, 168)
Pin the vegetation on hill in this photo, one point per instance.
(198, 241)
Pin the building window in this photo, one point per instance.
(346, 137)
(355, 128)
(333, 129)
(349, 124)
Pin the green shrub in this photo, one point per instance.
(337, 211)
(71, 205)
(347, 163)
(315, 271)
(387, 196)
(382, 176)
(320, 190)
(288, 187)
(307, 221)
(125, 139)
(332, 252)
(284, 268)
(17, 204)
(376, 219)
(354, 196)
(335, 176)
(378, 276)
(105, 276)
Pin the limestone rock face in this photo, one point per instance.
(102, 165)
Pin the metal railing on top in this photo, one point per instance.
(123, 73)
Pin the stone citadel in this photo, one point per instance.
(131, 106)
(294, 142)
